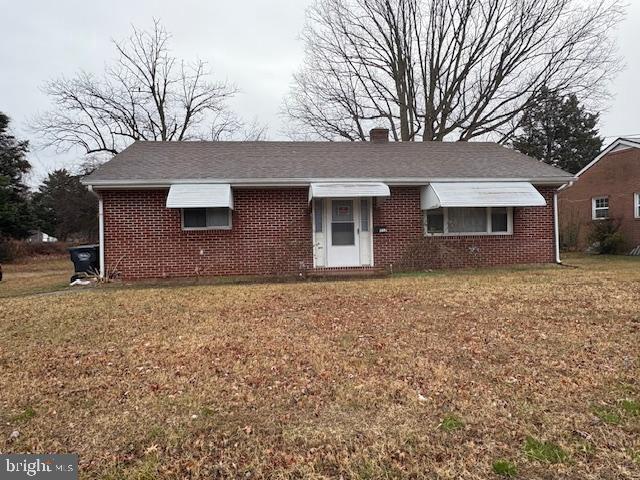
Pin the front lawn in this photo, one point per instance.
(38, 275)
(531, 372)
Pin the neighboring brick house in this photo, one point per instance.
(279, 208)
(608, 188)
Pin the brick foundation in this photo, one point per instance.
(271, 235)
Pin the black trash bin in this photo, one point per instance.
(85, 260)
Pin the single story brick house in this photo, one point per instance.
(609, 188)
(170, 209)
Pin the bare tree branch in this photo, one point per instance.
(446, 69)
(147, 94)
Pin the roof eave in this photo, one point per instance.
(305, 182)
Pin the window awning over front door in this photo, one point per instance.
(480, 194)
(345, 189)
(200, 195)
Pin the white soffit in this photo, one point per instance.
(346, 189)
(200, 195)
(480, 194)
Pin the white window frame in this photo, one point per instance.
(636, 205)
(488, 232)
(594, 208)
(221, 227)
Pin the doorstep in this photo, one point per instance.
(346, 272)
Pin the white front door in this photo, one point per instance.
(343, 242)
(342, 232)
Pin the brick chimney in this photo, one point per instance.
(379, 135)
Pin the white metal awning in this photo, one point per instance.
(480, 194)
(345, 189)
(200, 195)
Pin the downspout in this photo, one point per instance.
(555, 227)
(100, 229)
(101, 234)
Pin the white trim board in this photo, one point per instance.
(306, 182)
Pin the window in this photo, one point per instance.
(636, 205)
(342, 234)
(469, 221)
(600, 208)
(317, 214)
(364, 215)
(342, 225)
(435, 221)
(206, 218)
(500, 220)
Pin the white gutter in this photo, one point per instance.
(305, 182)
(555, 227)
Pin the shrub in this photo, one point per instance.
(570, 229)
(605, 237)
(13, 250)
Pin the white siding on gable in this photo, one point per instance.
(480, 194)
(200, 195)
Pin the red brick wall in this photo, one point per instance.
(271, 234)
(404, 246)
(617, 176)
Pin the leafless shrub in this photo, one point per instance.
(570, 230)
(16, 250)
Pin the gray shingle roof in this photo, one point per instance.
(166, 162)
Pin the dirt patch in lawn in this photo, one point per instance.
(449, 375)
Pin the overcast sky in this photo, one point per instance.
(252, 43)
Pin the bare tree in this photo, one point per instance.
(147, 94)
(446, 69)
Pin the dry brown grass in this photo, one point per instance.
(422, 376)
(37, 275)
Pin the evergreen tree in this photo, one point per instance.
(65, 208)
(559, 131)
(16, 219)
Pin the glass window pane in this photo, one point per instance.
(195, 217)
(317, 213)
(467, 220)
(602, 212)
(217, 217)
(435, 221)
(342, 234)
(342, 210)
(499, 221)
(364, 213)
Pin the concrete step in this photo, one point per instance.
(346, 272)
